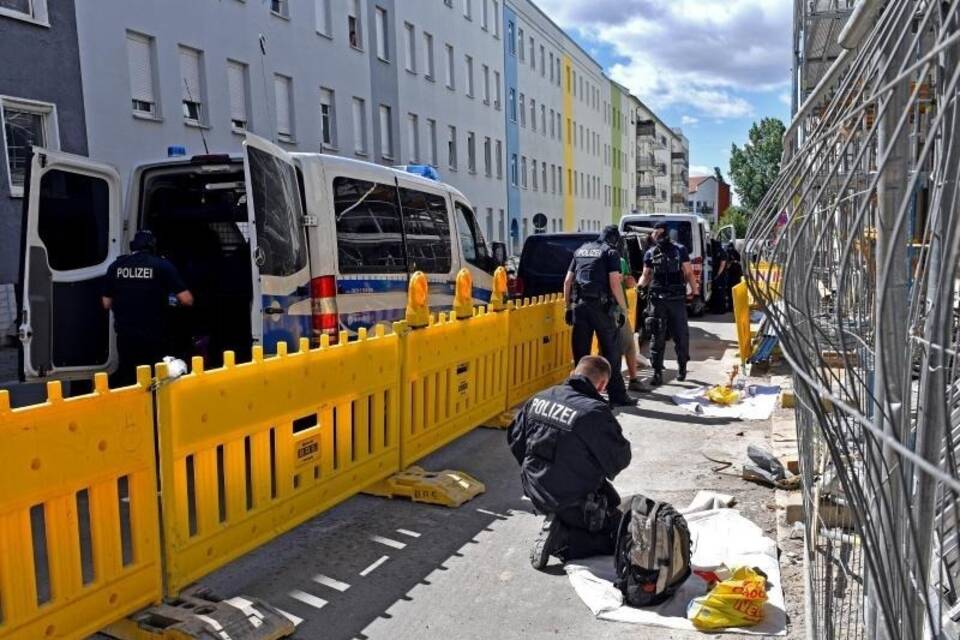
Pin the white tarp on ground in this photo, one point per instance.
(718, 536)
(756, 407)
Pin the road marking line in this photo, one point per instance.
(492, 513)
(308, 598)
(327, 581)
(407, 532)
(373, 566)
(296, 620)
(388, 542)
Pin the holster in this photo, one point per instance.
(595, 511)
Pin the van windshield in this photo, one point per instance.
(681, 231)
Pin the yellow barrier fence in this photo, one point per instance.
(741, 316)
(454, 379)
(249, 451)
(79, 539)
(540, 348)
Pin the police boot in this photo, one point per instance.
(657, 378)
(552, 539)
(682, 373)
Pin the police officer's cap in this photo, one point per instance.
(610, 235)
(143, 241)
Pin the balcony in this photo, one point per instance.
(645, 179)
(678, 198)
(646, 161)
(661, 168)
(646, 192)
(678, 155)
(704, 210)
(646, 129)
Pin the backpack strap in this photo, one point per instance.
(664, 570)
(621, 529)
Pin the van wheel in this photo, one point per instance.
(697, 307)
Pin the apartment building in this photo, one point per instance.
(504, 104)
(662, 166)
(41, 103)
(708, 196)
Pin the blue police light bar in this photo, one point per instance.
(424, 170)
(176, 150)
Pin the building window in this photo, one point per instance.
(520, 44)
(386, 137)
(495, 14)
(191, 81)
(449, 70)
(523, 112)
(328, 122)
(543, 69)
(533, 169)
(468, 9)
(359, 126)
(533, 114)
(432, 137)
(238, 86)
(468, 63)
(428, 55)
(142, 84)
(551, 67)
(25, 124)
(471, 152)
(452, 147)
(487, 156)
(283, 89)
(513, 169)
(484, 18)
(511, 38)
(383, 48)
(280, 8)
(543, 120)
(543, 175)
(355, 25)
(28, 10)
(512, 104)
(413, 138)
(533, 54)
(499, 160)
(496, 90)
(323, 17)
(486, 84)
(410, 48)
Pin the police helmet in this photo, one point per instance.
(610, 235)
(144, 241)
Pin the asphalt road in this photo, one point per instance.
(391, 569)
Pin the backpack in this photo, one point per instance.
(652, 556)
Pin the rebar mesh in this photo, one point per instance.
(856, 249)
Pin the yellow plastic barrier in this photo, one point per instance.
(741, 316)
(454, 379)
(79, 534)
(252, 450)
(766, 279)
(540, 348)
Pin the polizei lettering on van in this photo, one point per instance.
(553, 411)
(135, 273)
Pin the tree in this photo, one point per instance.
(718, 174)
(754, 167)
(738, 218)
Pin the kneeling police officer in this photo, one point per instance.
(595, 304)
(667, 269)
(570, 446)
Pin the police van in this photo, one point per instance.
(274, 246)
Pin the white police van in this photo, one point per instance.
(274, 246)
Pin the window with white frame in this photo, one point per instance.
(468, 64)
(328, 121)
(471, 152)
(486, 84)
(513, 169)
(495, 16)
(533, 114)
(533, 54)
(523, 171)
(280, 8)
(413, 138)
(449, 71)
(522, 109)
(520, 44)
(383, 45)
(452, 147)
(359, 114)
(283, 102)
(543, 175)
(487, 156)
(534, 174)
(191, 85)
(511, 38)
(543, 120)
(543, 69)
(432, 141)
(409, 48)
(496, 90)
(484, 14)
(28, 10)
(323, 17)
(512, 104)
(355, 24)
(26, 123)
(468, 9)
(238, 88)
(428, 71)
(498, 158)
(142, 83)
(386, 137)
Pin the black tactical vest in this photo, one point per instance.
(668, 278)
(590, 269)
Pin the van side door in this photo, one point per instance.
(71, 234)
(474, 250)
(281, 274)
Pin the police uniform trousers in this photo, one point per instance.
(592, 525)
(134, 350)
(591, 317)
(671, 315)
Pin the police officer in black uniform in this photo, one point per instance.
(667, 269)
(138, 287)
(570, 446)
(596, 304)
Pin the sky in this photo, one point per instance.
(711, 67)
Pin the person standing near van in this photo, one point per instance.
(667, 269)
(628, 339)
(138, 289)
(593, 291)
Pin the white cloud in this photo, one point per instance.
(688, 120)
(785, 98)
(699, 54)
(700, 170)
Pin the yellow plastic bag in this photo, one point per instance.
(735, 602)
(723, 395)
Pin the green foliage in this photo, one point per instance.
(718, 174)
(754, 167)
(738, 218)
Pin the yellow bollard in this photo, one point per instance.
(418, 313)
(463, 298)
(498, 297)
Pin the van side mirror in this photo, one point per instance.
(499, 254)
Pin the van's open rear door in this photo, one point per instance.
(70, 236)
(281, 302)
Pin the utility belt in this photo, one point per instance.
(668, 294)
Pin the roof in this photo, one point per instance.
(696, 181)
